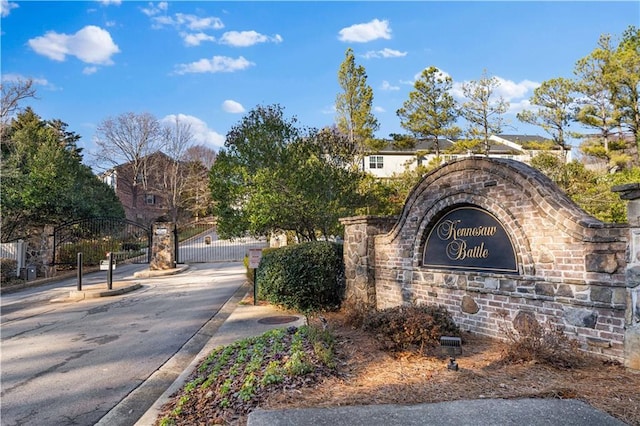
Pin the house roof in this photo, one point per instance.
(499, 144)
(520, 139)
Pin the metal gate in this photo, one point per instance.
(199, 243)
(95, 237)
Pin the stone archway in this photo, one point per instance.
(570, 266)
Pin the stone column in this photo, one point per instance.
(44, 258)
(359, 258)
(163, 247)
(631, 192)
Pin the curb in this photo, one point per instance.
(78, 295)
(160, 273)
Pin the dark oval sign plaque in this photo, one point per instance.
(471, 239)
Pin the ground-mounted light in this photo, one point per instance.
(451, 346)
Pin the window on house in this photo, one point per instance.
(149, 199)
(376, 162)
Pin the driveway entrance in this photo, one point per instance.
(199, 243)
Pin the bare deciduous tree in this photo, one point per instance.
(177, 138)
(128, 140)
(13, 93)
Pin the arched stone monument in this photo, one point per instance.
(494, 238)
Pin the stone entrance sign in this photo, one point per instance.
(470, 239)
(494, 240)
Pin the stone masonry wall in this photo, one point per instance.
(571, 266)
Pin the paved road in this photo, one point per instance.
(70, 363)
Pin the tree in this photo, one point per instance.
(198, 161)
(354, 104)
(338, 146)
(430, 111)
(176, 140)
(271, 175)
(482, 110)
(129, 139)
(556, 101)
(625, 78)
(596, 108)
(590, 189)
(255, 144)
(44, 181)
(13, 93)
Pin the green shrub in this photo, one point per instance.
(405, 327)
(7, 269)
(307, 277)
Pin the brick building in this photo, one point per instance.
(142, 187)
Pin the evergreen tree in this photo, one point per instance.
(354, 105)
(430, 111)
(483, 110)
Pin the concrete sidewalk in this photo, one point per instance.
(502, 412)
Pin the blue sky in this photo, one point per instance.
(211, 62)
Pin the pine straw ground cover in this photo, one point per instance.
(360, 372)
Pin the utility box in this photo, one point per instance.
(28, 273)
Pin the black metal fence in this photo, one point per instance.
(95, 237)
(199, 243)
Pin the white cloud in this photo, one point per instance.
(153, 10)
(416, 77)
(89, 70)
(182, 20)
(388, 86)
(517, 94)
(202, 134)
(331, 109)
(362, 33)
(247, 38)
(196, 23)
(519, 106)
(384, 53)
(232, 107)
(38, 81)
(110, 2)
(6, 6)
(510, 90)
(91, 44)
(379, 109)
(214, 65)
(194, 39)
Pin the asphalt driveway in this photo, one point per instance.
(70, 363)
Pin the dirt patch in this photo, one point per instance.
(369, 375)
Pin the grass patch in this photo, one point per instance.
(233, 379)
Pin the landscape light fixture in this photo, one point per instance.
(451, 346)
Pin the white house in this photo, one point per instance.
(390, 160)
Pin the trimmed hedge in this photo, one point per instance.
(307, 277)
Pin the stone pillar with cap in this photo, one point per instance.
(631, 192)
(163, 247)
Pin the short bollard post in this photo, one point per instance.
(79, 271)
(110, 271)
